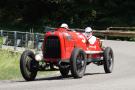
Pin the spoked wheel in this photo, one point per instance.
(78, 63)
(108, 60)
(28, 65)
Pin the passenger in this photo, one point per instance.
(89, 35)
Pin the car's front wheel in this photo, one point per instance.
(28, 65)
(64, 72)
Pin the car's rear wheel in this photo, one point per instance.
(108, 60)
(78, 63)
(28, 65)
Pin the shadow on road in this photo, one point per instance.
(86, 74)
(69, 77)
(55, 78)
(50, 78)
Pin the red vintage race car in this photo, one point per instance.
(67, 50)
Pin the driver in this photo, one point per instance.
(63, 27)
(89, 35)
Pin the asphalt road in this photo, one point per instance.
(122, 77)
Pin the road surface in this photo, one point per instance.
(122, 78)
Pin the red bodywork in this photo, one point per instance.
(61, 42)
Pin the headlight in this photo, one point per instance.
(39, 57)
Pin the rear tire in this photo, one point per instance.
(108, 60)
(78, 63)
(28, 65)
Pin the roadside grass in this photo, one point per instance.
(10, 69)
(9, 65)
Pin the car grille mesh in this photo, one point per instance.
(52, 47)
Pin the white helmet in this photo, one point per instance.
(64, 25)
(88, 30)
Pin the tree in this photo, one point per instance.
(77, 13)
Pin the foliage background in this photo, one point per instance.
(99, 14)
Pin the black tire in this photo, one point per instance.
(28, 65)
(78, 63)
(108, 60)
(64, 72)
(52, 66)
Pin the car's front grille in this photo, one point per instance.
(52, 47)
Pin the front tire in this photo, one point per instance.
(78, 63)
(28, 65)
(108, 60)
(64, 72)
